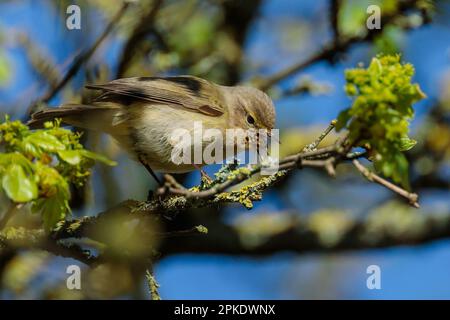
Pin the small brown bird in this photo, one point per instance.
(141, 112)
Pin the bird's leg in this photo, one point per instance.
(152, 173)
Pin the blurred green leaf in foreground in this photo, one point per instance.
(38, 167)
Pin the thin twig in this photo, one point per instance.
(327, 157)
(145, 26)
(291, 162)
(315, 144)
(332, 49)
(84, 57)
(152, 285)
(197, 230)
(306, 158)
(371, 176)
(335, 6)
(213, 190)
(356, 155)
(172, 182)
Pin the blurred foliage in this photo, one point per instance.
(256, 230)
(38, 166)
(42, 62)
(396, 220)
(352, 15)
(330, 225)
(4, 69)
(123, 235)
(100, 286)
(295, 139)
(390, 41)
(22, 269)
(303, 85)
(379, 117)
(197, 33)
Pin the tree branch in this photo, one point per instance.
(304, 236)
(145, 26)
(335, 47)
(152, 285)
(174, 198)
(83, 57)
(37, 239)
(371, 176)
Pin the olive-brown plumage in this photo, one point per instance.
(141, 112)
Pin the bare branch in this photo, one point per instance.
(335, 6)
(83, 57)
(145, 26)
(334, 48)
(174, 198)
(301, 236)
(197, 230)
(37, 239)
(371, 176)
(315, 144)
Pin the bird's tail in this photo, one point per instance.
(78, 115)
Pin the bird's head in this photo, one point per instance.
(251, 109)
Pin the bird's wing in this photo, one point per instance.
(187, 91)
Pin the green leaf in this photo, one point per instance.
(342, 119)
(375, 67)
(72, 157)
(407, 144)
(15, 158)
(52, 209)
(45, 141)
(401, 175)
(98, 157)
(30, 148)
(387, 168)
(28, 172)
(17, 185)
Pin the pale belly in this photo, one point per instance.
(159, 136)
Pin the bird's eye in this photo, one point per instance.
(250, 119)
